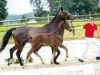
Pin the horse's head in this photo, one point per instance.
(66, 15)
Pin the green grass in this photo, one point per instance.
(79, 33)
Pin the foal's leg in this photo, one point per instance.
(66, 49)
(40, 57)
(54, 53)
(33, 49)
(36, 52)
(11, 54)
(27, 57)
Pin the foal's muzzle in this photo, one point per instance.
(73, 31)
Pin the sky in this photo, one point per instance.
(19, 6)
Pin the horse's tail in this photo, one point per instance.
(6, 39)
(25, 41)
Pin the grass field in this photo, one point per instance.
(67, 35)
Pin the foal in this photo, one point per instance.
(53, 39)
(50, 39)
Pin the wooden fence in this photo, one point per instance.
(7, 24)
(44, 19)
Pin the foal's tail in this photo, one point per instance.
(6, 39)
(25, 41)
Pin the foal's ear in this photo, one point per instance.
(61, 9)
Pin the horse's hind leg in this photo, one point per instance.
(55, 58)
(11, 54)
(18, 55)
(66, 49)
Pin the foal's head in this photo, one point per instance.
(69, 27)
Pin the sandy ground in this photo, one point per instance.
(74, 47)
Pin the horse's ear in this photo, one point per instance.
(61, 9)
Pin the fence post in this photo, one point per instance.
(48, 17)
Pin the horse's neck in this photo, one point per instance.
(52, 26)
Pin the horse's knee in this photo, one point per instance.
(13, 49)
(18, 53)
(58, 51)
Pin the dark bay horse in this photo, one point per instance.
(52, 39)
(19, 34)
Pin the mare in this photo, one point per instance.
(52, 39)
(21, 33)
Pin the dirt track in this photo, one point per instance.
(74, 47)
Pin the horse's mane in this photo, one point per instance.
(52, 20)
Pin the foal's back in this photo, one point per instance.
(51, 39)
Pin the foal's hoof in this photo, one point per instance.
(66, 59)
(23, 67)
(52, 62)
(30, 60)
(42, 62)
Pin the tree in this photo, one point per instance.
(38, 8)
(74, 6)
(54, 6)
(3, 9)
(98, 8)
(23, 19)
(67, 5)
(84, 6)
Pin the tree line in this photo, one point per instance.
(79, 7)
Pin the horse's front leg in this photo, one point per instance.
(55, 58)
(66, 49)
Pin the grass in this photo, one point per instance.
(79, 33)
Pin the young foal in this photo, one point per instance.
(52, 39)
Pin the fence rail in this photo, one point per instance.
(32, 21)
(44, 19)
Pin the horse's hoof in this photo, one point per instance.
(8, 64)
(21, 64)
(56, 63)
